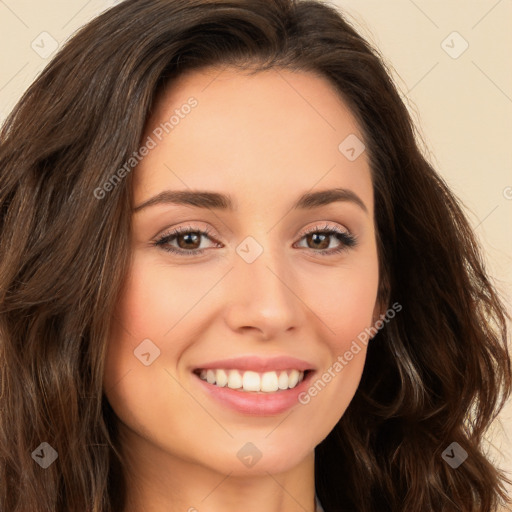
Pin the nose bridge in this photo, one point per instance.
(263, 295)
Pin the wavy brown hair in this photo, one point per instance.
(438, 373)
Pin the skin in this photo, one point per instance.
(265, 140)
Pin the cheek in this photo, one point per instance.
(345, 299)
(149, 307)
(145, 312)
(345, 302)
(146, 306)
(139, 316)
(346, 308)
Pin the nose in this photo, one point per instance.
(263, 297)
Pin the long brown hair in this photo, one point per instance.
(438, 373)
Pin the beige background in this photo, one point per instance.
(461, 98)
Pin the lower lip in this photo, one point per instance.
(256, 404)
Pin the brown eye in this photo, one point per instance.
(318, 239)
(187, 240)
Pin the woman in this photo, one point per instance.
(230, 280)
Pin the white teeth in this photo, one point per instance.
(269, 382)
(234, 379)
(293, 378)
(249, 381)
(221, 378)
(210, 376)
(252, 381)
(283, 380)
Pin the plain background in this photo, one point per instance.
(451, 63)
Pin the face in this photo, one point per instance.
(260, 287)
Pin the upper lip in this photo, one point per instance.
(258, 364)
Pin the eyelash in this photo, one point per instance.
(347, 240)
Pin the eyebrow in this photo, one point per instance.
(218, 201)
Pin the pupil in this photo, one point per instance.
(188, 237)
(319, 237)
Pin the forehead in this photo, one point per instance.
(273, 130)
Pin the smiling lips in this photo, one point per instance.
(253, 385)
(255, 374)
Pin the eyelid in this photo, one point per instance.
(325, 227)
